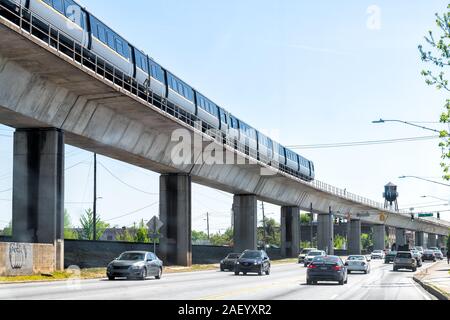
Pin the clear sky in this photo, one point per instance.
(313, 71)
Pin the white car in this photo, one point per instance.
(311, 255)
(357, 263)
(377, 254)
(304, 253)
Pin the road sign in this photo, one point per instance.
(364, 214)
(154, 225)
(424, 215)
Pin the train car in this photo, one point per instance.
(279, 155)
(110, 46)
(265, 148)
(248, 137)
(292, 160)
(304, 167)
(207, 111)
(180, 94)
(158, 83)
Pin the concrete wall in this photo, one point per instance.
(26, 259)
(96, 254)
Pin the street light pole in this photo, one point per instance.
(408, 123)
(443, 184)
(95, 199)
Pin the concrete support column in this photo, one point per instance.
(290, 232)
(245, 209)
(420, 239)
(441, 242)
(400, 237)
(175, 213)
(38, 189)
(354, 237)
(379, 236)
(325, 232)
(432, 240)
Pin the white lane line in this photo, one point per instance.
(420, 290)
(334, 297)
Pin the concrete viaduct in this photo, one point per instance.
(51, 99)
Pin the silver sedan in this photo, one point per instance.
(135, 264)
(357, 263)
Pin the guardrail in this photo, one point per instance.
(58, 40)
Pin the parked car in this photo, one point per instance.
(378, 254)
(229, 262)
(438, 254)
(326, 268)
(311, 255)
(253, 261)
(429, 255)
(304, 253)
(420, 249)
(135, 264)
(390, 257)
(405, 260)
(357, 263)
(418, 256)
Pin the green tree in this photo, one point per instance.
(69, 233)
(7, 231)
(225, 239)
(305, 244)
(199, 235)
(87, 226)
(125, 236)
(366, 241)
(141, 235)
(273, 236)
(339, 242)
(437, 54)
(305, 218)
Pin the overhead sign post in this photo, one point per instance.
(425, 215)
(154, 225)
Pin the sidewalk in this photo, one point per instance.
(436, 280)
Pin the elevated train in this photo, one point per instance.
(90, 36)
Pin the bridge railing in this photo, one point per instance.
(31, 23)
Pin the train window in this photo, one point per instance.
(119, 46)
(49, 2)
(101, 34)
(58, 5)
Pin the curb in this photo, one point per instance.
(431, 289)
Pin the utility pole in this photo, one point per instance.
(311, 225)
(95, 199)
(207, 224)
(264, 225)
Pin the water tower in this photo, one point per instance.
(390, 196)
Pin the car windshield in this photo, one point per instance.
(315, 253)
(130, 256)
(377, 251)
(251, 255)
(404, 255)
(393, 253)
(233, 256)
(353, 258)
(305, 251)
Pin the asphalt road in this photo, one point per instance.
(286, 282)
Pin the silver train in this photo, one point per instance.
(90, 36)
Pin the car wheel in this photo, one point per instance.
(349, 272)
(245, 273)
(159, 275)
(236, 273)
(111, 278)
(346, 280)
(414, 269)
(222, 269)
(308, 282)
(395, 269)
(341, 283)
(268, 272)
(144, 274)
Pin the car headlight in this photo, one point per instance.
(237, 262)
(221, 262)
(136, 267)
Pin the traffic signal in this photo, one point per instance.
(412, 217)
(439, 216)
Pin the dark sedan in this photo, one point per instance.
(326, 268)
(390, 257)
(429, 255)
(253, 261)
(135, 264)
(229, 262)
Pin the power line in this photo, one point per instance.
(362, 143)
(133, 212)
(126, 184)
